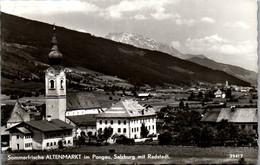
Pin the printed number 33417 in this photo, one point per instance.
(235, 156)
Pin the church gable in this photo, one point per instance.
(18, 114)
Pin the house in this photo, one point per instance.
(18, 115)
(144, 96)
(126, 118)
(220, 94)
(244, 118)
(5, 138)
(40, 135)
(82, 123)
(82, 103)
(82, 109)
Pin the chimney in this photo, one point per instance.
(49, 118)
(233, 108)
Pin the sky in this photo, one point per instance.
(222, 30)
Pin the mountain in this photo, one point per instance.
(151, 44)
(145, 43)
(26, 43)
(238, 72)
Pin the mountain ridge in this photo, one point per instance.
(151, 44)
(139, 66)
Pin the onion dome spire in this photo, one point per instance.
(55, 57)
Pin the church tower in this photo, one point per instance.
(55, 84)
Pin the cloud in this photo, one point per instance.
(117, 11)
(47, 7)
(217, 44)
(238, 24)
(240, 53)
(207, 20)
(140, 17)
(188, 22)
(163, 16)
(176, 44)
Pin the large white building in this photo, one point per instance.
(126, 118)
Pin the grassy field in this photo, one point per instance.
(177, 155)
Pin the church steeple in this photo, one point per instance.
(55, 84)
(55, 56)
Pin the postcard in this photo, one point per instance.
(129, 82)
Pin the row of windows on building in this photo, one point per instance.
(143, 121)
(118, 130)
(52, 135)
(28, 145)
(50, 144)
(134, 121)
(133, 129)
(137, 128)
(52, 86)
(112, 122)
(26, 136)
(88, 127)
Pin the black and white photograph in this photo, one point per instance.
(132, 82)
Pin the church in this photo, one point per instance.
(52, 131)
(68, 115)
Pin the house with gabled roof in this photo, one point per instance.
(40, 135)
(126, 117)
(82, 103)
(220, 94)
(244, 118)
(82, 123)
(18, 115)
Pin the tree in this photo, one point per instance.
(200, 95)
(181, 104)
(144, 131)
(187, 106)
(228, 93)
(165, 138)
(60, 144)
(191, 97)
(82, 137)
(246, 137)
(108, 133)
(207, 136)
(89, 136)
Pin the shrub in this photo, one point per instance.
(165, 138)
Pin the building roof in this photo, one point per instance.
(4, 130)
(83, 120)
(23, 130)
(47, 126)
(211, 116)
(81, 100)
(237, 115)
(218, 92)
(18, 114)
(55, 57)
(143, 95)
(127, 109)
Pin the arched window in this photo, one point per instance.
(61, 84)
(69, 142)
(52, 84)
